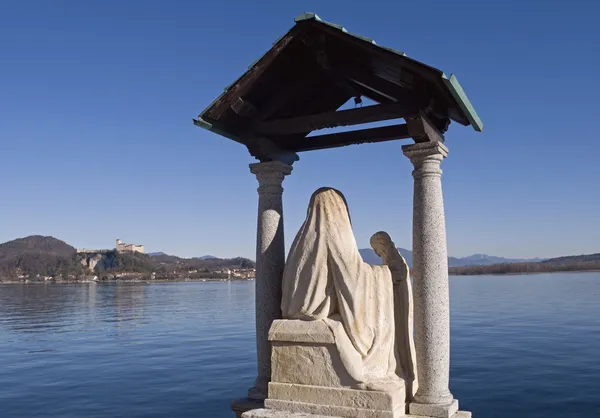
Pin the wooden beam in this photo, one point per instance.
(421, 129)
(243, 108)
(376, 87)
(341, 139)
(309, 123)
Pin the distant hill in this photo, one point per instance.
(206, 262)
(590, 262)
(161, 254)
(370, 257)
(35, 244)
(38, 254)
(574, 259)
(485, 260)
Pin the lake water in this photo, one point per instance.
(522, 346)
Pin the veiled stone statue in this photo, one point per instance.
(347, 327)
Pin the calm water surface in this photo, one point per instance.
(522, 346)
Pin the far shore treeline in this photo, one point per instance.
(572, 263)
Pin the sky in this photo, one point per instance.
(97, 141)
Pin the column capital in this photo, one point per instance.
(426, 157)
(422, 150)
(270, 176)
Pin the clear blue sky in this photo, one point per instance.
(97, 141)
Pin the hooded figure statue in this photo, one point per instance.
(325, 278)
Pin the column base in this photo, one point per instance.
(435, 410)
(271, 413)
(239, 406)
(336, 401)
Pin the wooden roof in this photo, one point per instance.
(297, 86)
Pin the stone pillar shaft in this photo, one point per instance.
(430, 287)
(270, 260)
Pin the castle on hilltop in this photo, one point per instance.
(132, 248)
(121, 247)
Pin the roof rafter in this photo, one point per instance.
(303, 124)
(341, 139)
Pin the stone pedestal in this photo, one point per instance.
(270, 261)
(430, 287)
(309, 376)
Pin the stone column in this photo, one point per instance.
(270, 260)
(430, 287)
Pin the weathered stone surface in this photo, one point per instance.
(318, 365)
(430, 272)
(273, 413)
(270, 261)
(436, 411)
(296, 360)
(301, 332)
(350, 398)
(332, 411)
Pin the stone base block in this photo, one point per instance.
(434, 410)
(458, 414)
(239, 406)
(332, 411)
(336, 402)
(350, 398)
(272, 413)
(304, 353)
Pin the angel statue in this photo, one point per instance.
(367, 307)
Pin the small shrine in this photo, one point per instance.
(294, 89)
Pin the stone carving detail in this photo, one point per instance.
(347, 325)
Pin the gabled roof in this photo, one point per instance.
(318, 66)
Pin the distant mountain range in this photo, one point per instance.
(370, 257)
(204, 257)
(156, 254)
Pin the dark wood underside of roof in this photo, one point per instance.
(313, 70)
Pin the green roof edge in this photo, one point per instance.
(307, 16)
(209, 127)
(463, 101)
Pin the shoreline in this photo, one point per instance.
(213, 280)
(519, 273)
(525, 273)
(112, 281)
